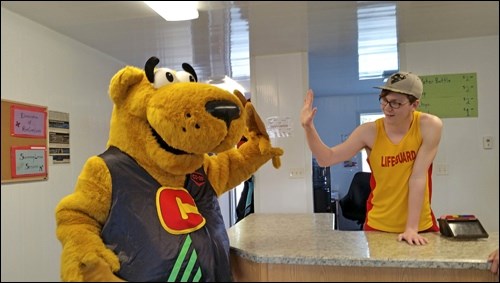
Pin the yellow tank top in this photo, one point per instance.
(391, 165)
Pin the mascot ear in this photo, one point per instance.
(122, 81)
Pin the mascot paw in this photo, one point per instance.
(257, 127)
(97, 270)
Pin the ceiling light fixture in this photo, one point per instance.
(175, 10)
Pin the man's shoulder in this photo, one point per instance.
(430, 124)
(430, 119)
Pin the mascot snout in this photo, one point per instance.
(224, 110)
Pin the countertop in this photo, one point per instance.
(309, 239)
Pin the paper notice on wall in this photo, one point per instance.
(59, 149)
(279, 127)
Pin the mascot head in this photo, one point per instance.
(167, 121)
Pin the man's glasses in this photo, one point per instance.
(393, 104)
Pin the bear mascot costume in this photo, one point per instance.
(146, 209)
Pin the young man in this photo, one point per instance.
(401, 148)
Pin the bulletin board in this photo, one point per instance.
(24, 142)
(450, 95)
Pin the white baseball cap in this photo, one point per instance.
(404, 82)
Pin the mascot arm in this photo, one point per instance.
(79, 219)
(228, 169)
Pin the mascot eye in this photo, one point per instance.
(164, 76)
(184, 76)
(169, 77)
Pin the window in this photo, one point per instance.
(377, 40)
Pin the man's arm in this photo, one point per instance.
(430, 127)
(325, 155)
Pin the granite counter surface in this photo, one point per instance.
(309, 239)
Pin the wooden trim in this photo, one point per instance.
(245, 270)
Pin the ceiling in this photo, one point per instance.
(131, 32)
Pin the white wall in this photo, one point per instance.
(45, 68)
(279, 83)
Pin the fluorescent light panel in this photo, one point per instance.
(175, 10)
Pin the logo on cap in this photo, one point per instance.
(397, 77)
